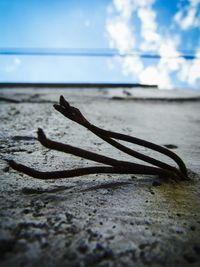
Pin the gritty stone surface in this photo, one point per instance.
(97, 220)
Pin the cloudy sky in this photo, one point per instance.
(145, 41)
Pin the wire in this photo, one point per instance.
(84, 52)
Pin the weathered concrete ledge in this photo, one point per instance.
(98, 220)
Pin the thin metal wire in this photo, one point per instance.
(87, 52)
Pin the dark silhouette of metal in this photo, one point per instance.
(111, 165)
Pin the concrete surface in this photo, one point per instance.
(98, 220)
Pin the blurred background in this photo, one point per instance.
(153, 42)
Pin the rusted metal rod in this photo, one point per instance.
(74, 114)
(137, 169)
(115, 166)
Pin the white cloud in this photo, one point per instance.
(188, 17)
(149, 33)
(121, 34)
(190, 70)
(170, 57)
(132, 65)
(194, 73)
(156, 75)
(147, 17)
(149, 75)
(124, 8)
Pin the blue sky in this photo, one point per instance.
(168, 29)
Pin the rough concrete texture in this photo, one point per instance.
(98, 220)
